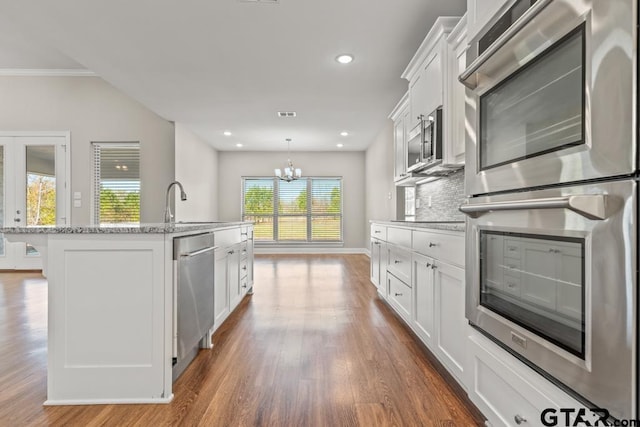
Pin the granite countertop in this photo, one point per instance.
(148, 228)
(434, 225)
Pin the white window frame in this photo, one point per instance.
(309, 214)
(95, 193)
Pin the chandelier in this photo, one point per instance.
(290, 173)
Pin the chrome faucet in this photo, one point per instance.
(168, 217)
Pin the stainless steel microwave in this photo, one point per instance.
(424, 145)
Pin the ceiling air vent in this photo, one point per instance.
(286, 113)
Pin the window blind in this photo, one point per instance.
(116, 183)
(304, 210)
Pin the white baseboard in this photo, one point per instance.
(367, 252)
(305, 250)
(56, 402)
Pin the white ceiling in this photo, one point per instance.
(217, 65)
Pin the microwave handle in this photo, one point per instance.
(501, 41)
(591, 206)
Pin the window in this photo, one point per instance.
(116, 181)
(284, 212)
(409, 203)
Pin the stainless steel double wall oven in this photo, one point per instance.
(552, 173)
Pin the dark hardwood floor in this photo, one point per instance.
(314, 346)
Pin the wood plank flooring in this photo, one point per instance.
(314, 346)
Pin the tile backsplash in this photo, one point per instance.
(447, 194)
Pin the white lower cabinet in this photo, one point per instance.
(426, 292)
(424, 298)
(233, 270)
(221, 289)
(399, 296)
(509, 393)
(451, 324)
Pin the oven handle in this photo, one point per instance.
(591, 206)
(501, 41)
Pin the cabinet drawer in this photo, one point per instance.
(225, 238)
(399, 263)
(400, 296)
(379, 231)
(399, 236)
(445, 247)
(504, 388)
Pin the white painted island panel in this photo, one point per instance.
(105, 295)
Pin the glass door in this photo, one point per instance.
(34, 194)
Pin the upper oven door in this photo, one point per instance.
(551, 100)
(551, 276)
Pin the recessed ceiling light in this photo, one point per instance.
(344, 133)
(238, 145)
(227, 133)
(344, 58)
(339, 145)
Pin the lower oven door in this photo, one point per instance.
(551, 277)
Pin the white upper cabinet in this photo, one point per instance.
(400, 115)
(454, 128)
(481, 12)
(433, 74)
(426, 71)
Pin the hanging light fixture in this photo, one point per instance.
(290, 173)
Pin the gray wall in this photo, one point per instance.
(197, 171)
(93, 111)
(350, 165)
(379, 179)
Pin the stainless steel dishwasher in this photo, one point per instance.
(195, 260)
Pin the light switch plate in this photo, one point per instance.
(77, 195)
(77, 203)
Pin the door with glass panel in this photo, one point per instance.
(33, 192)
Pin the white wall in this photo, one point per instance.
(379, 178)
(348, 164)
(92, 110)
(197, 171)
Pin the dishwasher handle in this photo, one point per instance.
(198, 252)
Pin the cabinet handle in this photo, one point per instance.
(396, 262)
(244, 286)
(428, 264)
(511, 285)
(231, 252)
(432, 244)
(433, 266)
(555, 251)
(398, 295)
(377, 232)
(244, 268)
(244, 234)
(519, 419)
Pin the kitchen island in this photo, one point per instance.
(112, 306)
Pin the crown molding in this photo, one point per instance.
(35, 72)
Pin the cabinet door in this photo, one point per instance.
(454, 116)
(375, 262)
(221, 288)
(450, 320)
(423, 288)
(233, 276)
(480, 12)
(425, 91)
(400, 167)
